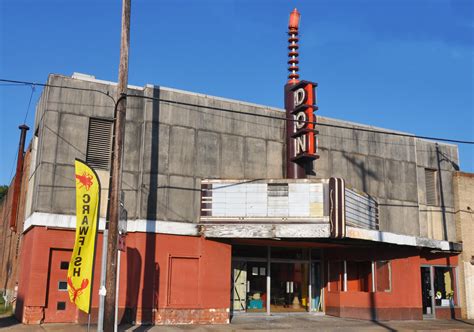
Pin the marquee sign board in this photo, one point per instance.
(304, 134)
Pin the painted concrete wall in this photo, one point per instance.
(404, 301)
(464, 205)
(169, 148)
(151, 268)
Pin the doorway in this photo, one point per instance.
(289, 287)
(59, 308)
(427, 292)
(249, 291)
(269, 279)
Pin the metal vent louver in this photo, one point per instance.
(431, 193)
(99, 143)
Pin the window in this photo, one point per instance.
(64, 265)
(335, 270)
(99, 143)
(61, 306)
(431, 187)
(383, 274)
(62, 286)
(444, 286)
(359, 276)
(249, 251)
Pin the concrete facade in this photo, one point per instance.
(169, 148)
(464, 203)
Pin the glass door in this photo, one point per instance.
(289, 287)
(316, 290)
(427, 291)
(256, 286)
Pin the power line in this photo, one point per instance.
(106, 93)
(249, 114)
(29, 103)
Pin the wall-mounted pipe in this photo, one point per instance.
(18, 177)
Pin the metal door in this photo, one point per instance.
(239, 294)
(59, 309)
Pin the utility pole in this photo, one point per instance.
(116, 171)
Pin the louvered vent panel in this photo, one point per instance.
(431, 193)
(99, 143)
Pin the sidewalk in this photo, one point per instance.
(295, 323)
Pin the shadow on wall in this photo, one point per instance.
(134, 266)
(362, 171)
(150, 270)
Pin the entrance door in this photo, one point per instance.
(239, 289)
(59, 309)
(289, 287)
(426, 291)
(316, 290)
(256, 286)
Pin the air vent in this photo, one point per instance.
(431, 192)
(99, 143)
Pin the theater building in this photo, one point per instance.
(214, 226)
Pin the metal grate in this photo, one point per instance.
(431, 192)
(99, 143)
(362, 211)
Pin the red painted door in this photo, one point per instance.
(59, 308)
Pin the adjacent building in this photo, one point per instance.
(215, 229)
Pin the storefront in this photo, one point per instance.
(272, 279)
(347, 280)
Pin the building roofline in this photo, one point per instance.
(91, 78)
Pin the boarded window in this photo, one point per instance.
(99, 143)
(183, 281)
(384, 278)
(431, 190)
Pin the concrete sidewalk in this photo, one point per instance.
(294, 322)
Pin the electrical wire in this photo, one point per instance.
(29, 103)
(106, 93)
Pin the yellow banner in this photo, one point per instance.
(81, 267)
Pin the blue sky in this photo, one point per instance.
(405, 65)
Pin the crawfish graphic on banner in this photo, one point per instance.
(81, 267)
